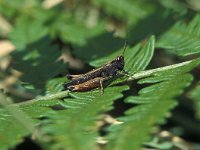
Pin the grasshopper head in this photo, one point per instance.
(120, 62)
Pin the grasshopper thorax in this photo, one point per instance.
(119, 62)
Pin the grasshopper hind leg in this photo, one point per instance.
(101, 89)
(72, 77)
(101, 86)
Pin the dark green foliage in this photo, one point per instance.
(41, 59)
(183, 38)
(14, 124)
(76, 126)
(98, 47)
(74, 31)
(136, 58)
(126, 10)
(11, 131)
(77, 36)
(195, 96)
(154, 102)
(27, 32)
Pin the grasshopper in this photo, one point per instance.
(95, 78)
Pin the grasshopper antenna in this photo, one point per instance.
(125, 46)
(126, 43)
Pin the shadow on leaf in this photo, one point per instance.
(100, 46)
(156, 23)
(38, 62)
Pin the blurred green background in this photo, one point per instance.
(45, 39)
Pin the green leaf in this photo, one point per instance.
(195, 96)
(126, 9)
(55, 85)
(70, 29)
(183, 38)
(46, 32)
(100, 46)
(11, 133)
(14, 124)
(38, 63)
(11, 9)
(136, 58)
(27, 31)
(75, 128)
(154, 101)
(139, 57)
(176, 6)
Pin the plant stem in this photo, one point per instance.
(138, 75)
(47, 97)
(147, 73)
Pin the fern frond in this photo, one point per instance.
(11, 133)
(154, 102)
(136, 58)
(76, 32)
(25, 32)
(88, 104)
(14, 126)
(75, 128)
(41, 59)
(126, 9)
(49, 36)
(195, 96)
(182, 39)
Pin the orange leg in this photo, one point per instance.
(88, 85)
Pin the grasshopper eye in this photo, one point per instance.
(120, 59)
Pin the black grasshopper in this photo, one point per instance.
(95, 78)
